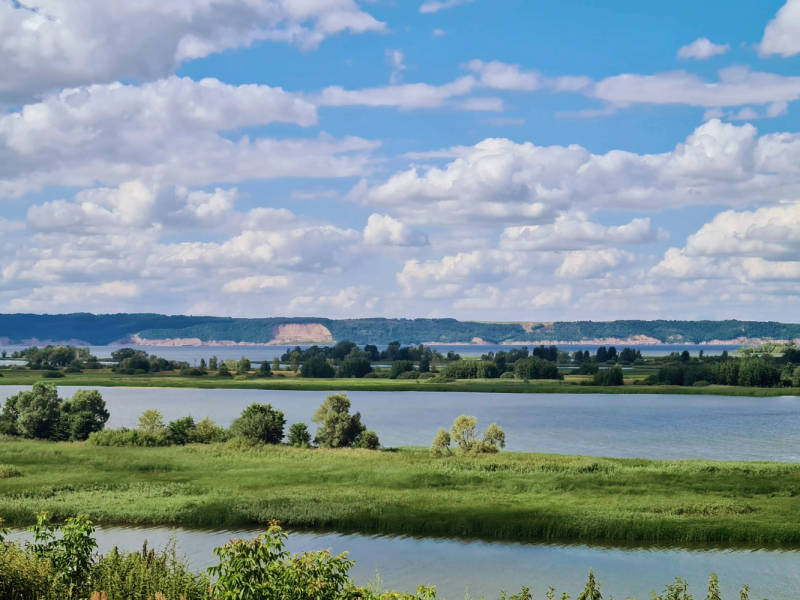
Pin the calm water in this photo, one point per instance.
(193, 354)
(650, 426)
(483, 569)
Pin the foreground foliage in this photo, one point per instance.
(258, 569)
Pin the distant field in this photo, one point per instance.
(511, 496)
(291, 382)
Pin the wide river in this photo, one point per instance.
(652, 426)
(483, 569)
(649, 426)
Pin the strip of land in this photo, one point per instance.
(570, 385)
(511, 496)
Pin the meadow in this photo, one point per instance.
(290, 381)
(506, 496)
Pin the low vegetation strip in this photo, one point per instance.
(511, 496)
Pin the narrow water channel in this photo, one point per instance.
(483, 569)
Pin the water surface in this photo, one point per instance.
(640, 425)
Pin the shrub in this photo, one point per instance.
(471, 369)
(427, 375)
(409, 375)
(507, 376)
(372, 375)
(70, 369)
(206, 432)
(462, 432)
(129, 437)
(701, 384)
(796, 377)
(52, 374)
(181, 431)
(224, 371)
(369, 441)
(536, 368)
(400, 366)
(758, 373)
(317, 368)
(355, 367)
(23, 576)
(588, 369)
(260, 423)
(193, 372)
(299, 436)
(609, 377)
(338, 429)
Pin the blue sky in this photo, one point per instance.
(501, 160)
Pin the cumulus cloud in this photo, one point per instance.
(703, 49)
(576, 231)
(383, 230)
(583, 264)
(406, 97)
(165, 131)
(502, 76)
(782, 34)
(349, 299)
(51, 44)
(256, 283)
(395, 58)
(432, 6)
(500, 181)
(45, 297)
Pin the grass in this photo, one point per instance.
(511, 496)
(570, 385)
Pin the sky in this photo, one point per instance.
(503, 160)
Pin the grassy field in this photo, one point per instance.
(511, 496)
(291, 382)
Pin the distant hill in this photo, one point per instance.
(152, 329)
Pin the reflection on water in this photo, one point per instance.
(485, 568)
(640, 425)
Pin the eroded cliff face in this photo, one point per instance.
(282, 335)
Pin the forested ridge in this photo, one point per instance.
(105, 329)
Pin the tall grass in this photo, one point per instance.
(512, 496)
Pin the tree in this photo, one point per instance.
(260, 423)
(151, 420)
(212, 363)
(424, 366)
(39, 412)
(536, 368)
(462, 432)
(276, 364)
(202, 363)
(796, 377)
(441, 443)
(317, 368)
(264, 370)
(223, 371)
(181, 431)
(368, 441)
(354, 367)
(602, 355)
(299, 436)
(685, 356)
(86, 413)
(612, 376)
(337, 428)
(400, 366)
(243, 366)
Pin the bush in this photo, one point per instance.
(299, 436)
(193, 372)
(260, 423)
(317, 368)
(400, 366)
(409, 375)
(23, 576)
(507, 376)
(369, 441)
(588, 369)
(536, 368)
(796, 377)
(701, 384)
(338, 429)
(355, 367)
(129, 437)
(181, 431)
(758, 373)
(224, 371)
(52, 374)
(70, 369)
(609, 377)
(206, 432)
(372, 375)
(471, 369)
(427, 375)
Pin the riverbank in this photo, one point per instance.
(571, 384)
(511, 496)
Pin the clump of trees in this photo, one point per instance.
(471, 369)
(260, 423)
(339, 429)
(609, 377)
(536, 368)
(462, 432)
(749, 372)
(138, 362)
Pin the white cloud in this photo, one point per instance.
(256, 283)
(703, 49)
(73, 295)
(558, 295)
(501, 76)
(576, 231)
(499, 181)
(583, 264)
(432, 6)
(349, 299)
(395, 58)
(383, 230)
(166, 131)
(483, 104)
(782, 34)
(51, 44)
(736, 86)
(407, 96)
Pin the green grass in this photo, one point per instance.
(510, 496)
(570, 385)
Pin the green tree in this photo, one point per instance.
(212, 363)
(244, 365)
(260, 423)
(86, 413)
(536, 368)
(223, 371)
(151, 420)
(796, 377)
(181, 431)
(592, 589)
(317, 368)
(299, 436)
(39, 412)
(276, 364)
(337, 428)
(264, 370)
(368, 441)
(354, 367)
(612, 376)
(462, 432)
(400, 366)
(441, 443)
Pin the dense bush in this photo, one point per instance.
(52, 375)
(409, 375)
(317, 368)
(588, 369)
(751, 372)
(299, 436)
(612, 376)
(129, 437)
(193, 372)
(507, 376)
(758, 373)
(400, 366)
(260, 423)
(471, 369)
(337, 428)
(462, 432)
(536, 368)
(355, 367)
